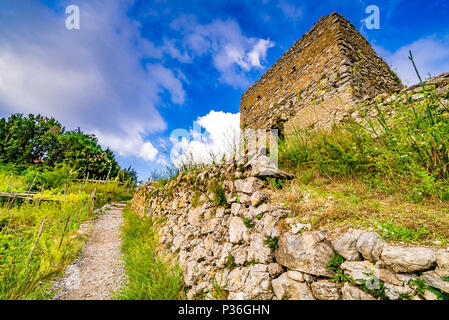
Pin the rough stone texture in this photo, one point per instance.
(330, 67)
(325, 290)
(237, 230)
(248, 185)
(262, 167)
(207, 238)
(350, 292)
(287, 289)
(307, 252)
(258, 197)
(258, 250)
(275, 269)
(432, 279)
(442, 258)
(429, 295)
(370, 245)
(358, 270)
(345, 245)
(408, 259)
(394, 292)
(387, 275)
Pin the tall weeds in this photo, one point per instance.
(149, 277)
(38, 240)
(407, 150)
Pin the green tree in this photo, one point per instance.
(39, 143)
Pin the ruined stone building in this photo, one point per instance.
(325, 72)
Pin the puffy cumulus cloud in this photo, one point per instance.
(135, 145)
(233, 54)
(92, 77)
(431, 55)
(213, 136)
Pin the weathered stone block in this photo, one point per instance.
(345, 245)
(248, 185)
(370, 245)
(308, 253)
(350, 292)
(411, 259)
(325, 290)
(287, 289)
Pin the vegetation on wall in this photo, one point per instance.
(407, 151)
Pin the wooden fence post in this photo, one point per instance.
(63, 233)
(92, 197)
(36, 241)
(32, 184)
(12, 199)
(9, 222)
(42, 194)
(9, 184)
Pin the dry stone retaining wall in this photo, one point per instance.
(224, 253)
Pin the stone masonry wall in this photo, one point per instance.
(223, 226)
(330, 67)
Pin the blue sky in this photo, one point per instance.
(137, 70)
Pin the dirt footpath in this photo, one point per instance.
(99, 271)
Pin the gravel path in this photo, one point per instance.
(99, 270)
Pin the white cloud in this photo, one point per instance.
(220, 138)
(259, 52)
(290, 10)
(431, 55)
(135, 145)
(233, 54)
(92, 77)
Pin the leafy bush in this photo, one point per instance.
(40, 142)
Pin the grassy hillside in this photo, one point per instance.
(388, 170)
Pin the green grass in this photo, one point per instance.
(407, 152)
(275, 183)
(399, 233)
(39, 240)
(272, 242)
(248, 223)
(219, 194)
(30, 259)
(390, 170)
(149, 276)
(335, 262)
(230, 262)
